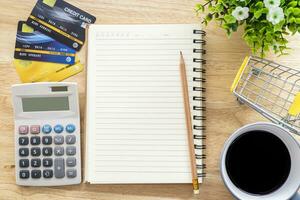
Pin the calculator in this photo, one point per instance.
(47, 134)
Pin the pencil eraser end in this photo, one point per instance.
(196, 192)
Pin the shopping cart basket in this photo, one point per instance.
(271, 89)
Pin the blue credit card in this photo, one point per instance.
(61, 21)
(36, 46)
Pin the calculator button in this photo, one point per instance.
(58, 128)
(47, 140)
(24, 174)
(59, 151)
(23, 141)
(35, 129)
(48, 173)
(47, 162)
(71, 162)
(35, 162)
(23, 152)
(47, 129)
(70, 139)
(35, 140)
(59, 168)
(35, 151)
(36, 173)
(23, 129)
(24, 163)
(58, 139)
(47, 151)
(71, 151)
(70, 128)
(71, 173)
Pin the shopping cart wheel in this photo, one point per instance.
(240, 101)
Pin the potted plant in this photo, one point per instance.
(266, 23)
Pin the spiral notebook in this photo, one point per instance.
(135, 121)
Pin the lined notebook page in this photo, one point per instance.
(136, 130)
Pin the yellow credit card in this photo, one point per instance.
(34, 71)
(63, 73)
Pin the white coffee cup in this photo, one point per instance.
(290, 187)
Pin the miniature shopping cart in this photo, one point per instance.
(271, 89)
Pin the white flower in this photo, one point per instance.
(272, 3)
(240, 13)
(275, 15)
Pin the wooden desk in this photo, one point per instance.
(224, 114)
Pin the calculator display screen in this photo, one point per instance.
(37, 104)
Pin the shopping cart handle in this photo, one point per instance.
(295, 107)
(239, 74)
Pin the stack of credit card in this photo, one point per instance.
(47, 42)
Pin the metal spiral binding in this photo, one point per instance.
(203, 80)
(203, 71)
(199, 118)
(200, 137)
(199, 128)
(201, 166)
(199, 146)
(202, 156)
(199, 108)
(199, 98)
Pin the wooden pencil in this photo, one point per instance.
(188, 120)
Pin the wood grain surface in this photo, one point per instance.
(224, 114)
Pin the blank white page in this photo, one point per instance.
(135, 128)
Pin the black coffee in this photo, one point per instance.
(258, 162)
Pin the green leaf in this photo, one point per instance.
(265, 10)
(269, 37)
(258, 13)
(234, 26)
(293, 28)
(209, 17)
(212, 9)
(225, 26)
(219, 8)
(292, 20)
(285, 32)
(278, 27)
(229, 19)
(266, 47)
(252, 8)
(262, 30)
(282, 48)
(259, 4)
(289, 11)
(297, 20)
(229, 33)
(200, 7)
(296, 12)
(283, 41)
(250, 30)
(292, 4)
